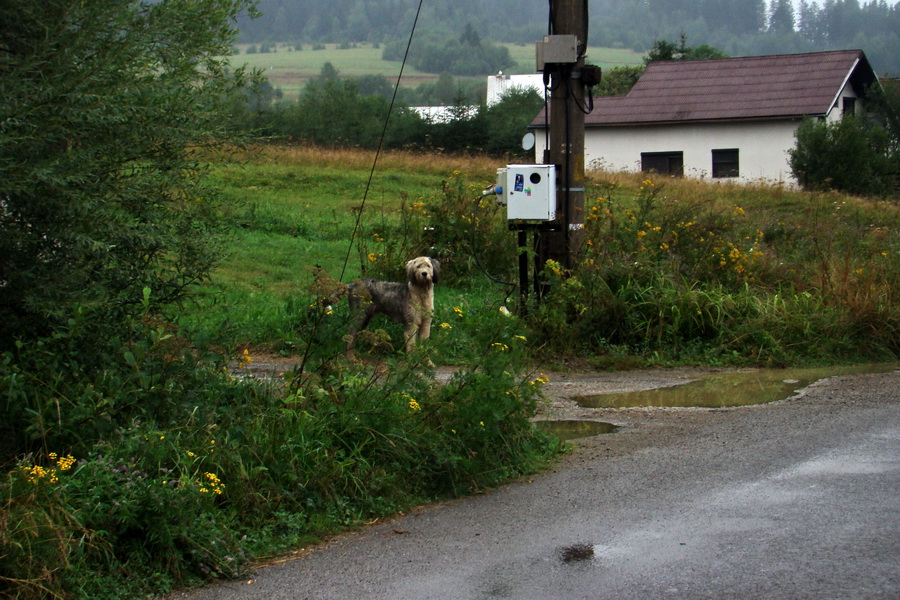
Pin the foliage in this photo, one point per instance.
(665, 50)
(669, 274)
(103, 108)
(456, 225)
(189, 494)
(740, 27)
(822, 275)
(618, 81)
(849, 155)
(884, 104)
(344, 116)
(468, 55)
(170, 469)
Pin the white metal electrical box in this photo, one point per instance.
(528, 191)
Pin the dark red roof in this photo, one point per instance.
(726, 89)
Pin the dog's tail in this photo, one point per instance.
(327, 290)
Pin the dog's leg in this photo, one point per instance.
(357, 324)
(425, 329)
(410, 336)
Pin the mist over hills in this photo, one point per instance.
(738, 27)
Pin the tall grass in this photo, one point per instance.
(687, 270)
(673, 269)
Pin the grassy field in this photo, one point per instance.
(726, 254)
(289, 69)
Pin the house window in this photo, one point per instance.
(664, 163)
(848, 106)
(726, 163)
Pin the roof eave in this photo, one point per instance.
(793, 117)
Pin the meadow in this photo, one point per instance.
(674, 270)
(288, 68)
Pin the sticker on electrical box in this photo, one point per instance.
(520, 182)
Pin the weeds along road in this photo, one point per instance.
(796, 499)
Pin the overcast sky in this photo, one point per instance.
(861, 2)
(819, 2)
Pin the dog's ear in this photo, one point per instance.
(411, 271)
(435, 270)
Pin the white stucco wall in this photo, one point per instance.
(837, 111)
(762, 147)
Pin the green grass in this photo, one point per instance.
(289, 69)
(807, 266)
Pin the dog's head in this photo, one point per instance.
(423, 271)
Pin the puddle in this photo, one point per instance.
(732, 389)
(570, 430)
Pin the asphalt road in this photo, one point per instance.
(797, 499)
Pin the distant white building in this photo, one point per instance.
(498, 85)
(443, 114)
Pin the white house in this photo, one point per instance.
(729, 118)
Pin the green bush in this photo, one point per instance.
(455, 225)
(173, 470)
(849, 155)
(668, 277)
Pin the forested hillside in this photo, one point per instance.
(738, 27)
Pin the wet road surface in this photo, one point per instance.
(797, 499)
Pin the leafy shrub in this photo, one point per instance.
(455, 225)
(663, 275)
(848, 155)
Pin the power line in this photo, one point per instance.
(387, 119)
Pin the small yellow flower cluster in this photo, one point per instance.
(413, 405)
(500, 346)
(246, 359)
(377, 237)
(373, 258)
(554, 267)
(446, 326)
(458, 311)
(213, 484)
(37, 473)
(63, 463)
(540, 380)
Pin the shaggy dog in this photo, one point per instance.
(410, 303)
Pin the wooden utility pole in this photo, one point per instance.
(566, 137)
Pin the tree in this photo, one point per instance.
(508, 119)
(781, 17)
(105, 107)
(665, 50)
(618, 81)
(849, 155)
